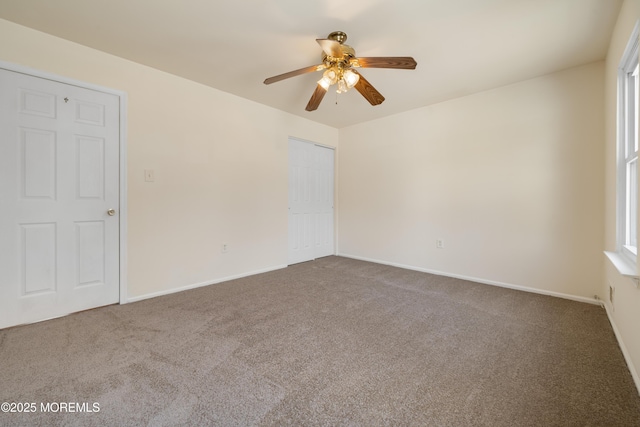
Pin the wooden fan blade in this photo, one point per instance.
(370, 93)
(317, 96)
(401, 62)
(293, 73)
(331, 47)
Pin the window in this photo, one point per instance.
(628, 108)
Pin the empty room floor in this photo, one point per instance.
(334, 341)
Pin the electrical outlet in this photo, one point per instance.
(225, 248)
(611, 293)
(440, 243)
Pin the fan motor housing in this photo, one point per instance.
(347, 53)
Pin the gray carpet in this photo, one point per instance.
(330, 342)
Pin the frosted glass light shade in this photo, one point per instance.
(351, 78)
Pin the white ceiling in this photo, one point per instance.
(461, 46)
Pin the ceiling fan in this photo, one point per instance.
(340, 62)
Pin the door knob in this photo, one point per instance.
(111, 212)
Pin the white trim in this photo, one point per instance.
(624, 265)
(623, 348)
(58, 78)
(123, 216)
(478, 280)
(628, 57)
(333, 147)
(206, 283)
(123, 102)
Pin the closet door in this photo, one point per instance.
(323, 171)
(310, 201)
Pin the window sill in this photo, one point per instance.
(624, 266)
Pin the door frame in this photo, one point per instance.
(122, 96)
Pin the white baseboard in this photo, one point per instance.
(477, 280)
(201, 284)
(623, 348)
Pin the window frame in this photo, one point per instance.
(627, 144)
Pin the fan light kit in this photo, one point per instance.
(346, 79)
(339, 63)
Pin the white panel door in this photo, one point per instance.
(301, 203)
(310, 201)
(59, 177)
(323, 171)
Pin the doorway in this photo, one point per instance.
(60, 196)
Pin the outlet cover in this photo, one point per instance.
(611, 293)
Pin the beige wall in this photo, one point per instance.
(511, 179)
(220, 165)
(625, 311)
